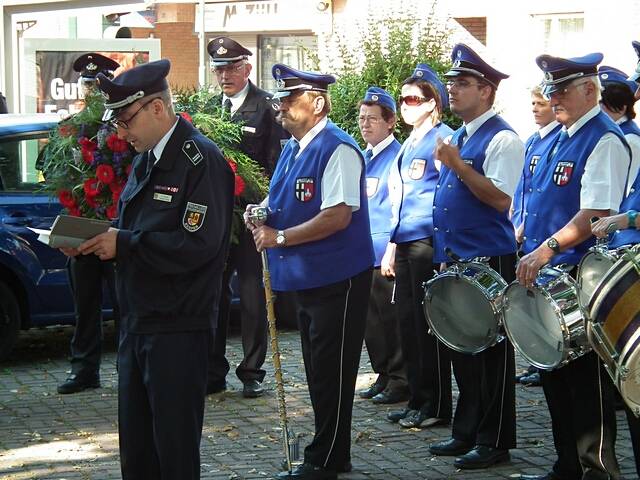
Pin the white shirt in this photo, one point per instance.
(238, 99)
(341, 178)
(159, 148)
(605, 172)
(634, 142)
(381, 146)
(546, 130)
(504, 156)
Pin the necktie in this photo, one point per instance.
(295, 148)
(368, 155)
(460, 139)
(227, 105)
(561, 138)
(151, 160)
(534, 140)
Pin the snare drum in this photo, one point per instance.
(463, 306)
(613, 327)
(545, 323)
(592, 269)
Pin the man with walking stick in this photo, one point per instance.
(318, 245)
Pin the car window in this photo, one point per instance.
(18, 172)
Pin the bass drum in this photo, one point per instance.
(463, 306)
(545, 323)
(613, 327)
(592, 269)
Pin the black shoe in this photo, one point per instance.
(421, 420)
(372, 391)
(346, 468)
(252, 389)
(450, 448)
(481, 457)
(306, 471)
(390, 396)
(216, 387)
(398, 415)
(77, 383)
(532, 380)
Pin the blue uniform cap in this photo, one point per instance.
(91, 64)
(635, 76)
(610, 75)
(558, 72)
(381, 97)
(224, 51)
(467, 62)
(426, 73)
(291, 80)
(133, 85)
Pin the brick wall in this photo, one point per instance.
(476, 26)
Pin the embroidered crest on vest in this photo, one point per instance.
(562, 173)
(533, 163)
(372, 186)
(416, 169)
(305, 188)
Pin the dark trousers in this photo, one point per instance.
(87, 273)
(486, 409)
(332, 321)
(634, 430)
(382, 335)
(244, 259)
(581, 400)
(427, 360)
(161, 390)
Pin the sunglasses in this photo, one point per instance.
(412, 100)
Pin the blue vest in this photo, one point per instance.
(378, 198)
(412, 216)
(556, 184)
(469, 227)
(534, 148)
(295, 196)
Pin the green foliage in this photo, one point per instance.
(385, 54)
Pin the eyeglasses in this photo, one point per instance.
(372, 120)
(116, 122)
(229, 69)
(462, 84)
(563, 91)
(412, 100)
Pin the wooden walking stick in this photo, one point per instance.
(290, 441)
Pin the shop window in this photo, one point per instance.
(296, 51)
(561, 34)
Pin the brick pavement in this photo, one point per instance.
(44, 435)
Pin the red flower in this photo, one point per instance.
(105, 174)
(239, 187)
(186, 116)
(87, 156)
(117, 144)
(66, 130)
(66, 198)
(233, 165)
(91, 187)
(115, 197)
(91, 201)
(87, 144)
(74, 211)
(112, 212)
(116, 186)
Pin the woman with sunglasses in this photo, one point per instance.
(412, 183)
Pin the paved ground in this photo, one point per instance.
(44, 435)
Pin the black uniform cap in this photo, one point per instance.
(132, 85)
(91, 64)
(224, 51)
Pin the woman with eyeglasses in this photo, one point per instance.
(412, 183)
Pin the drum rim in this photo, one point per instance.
(595, 250)
(597, 298)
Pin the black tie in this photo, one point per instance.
(227, 105)
(151, 160)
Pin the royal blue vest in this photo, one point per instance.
(469, 227)
(295, 196)
(412, 216)
(556, 184)
(378, 198)
(534, 148)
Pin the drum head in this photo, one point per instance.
(533, 326)
(592, 270)
(460, 315)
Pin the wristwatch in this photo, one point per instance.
(281, 239)
(631, 216)
(553, 244)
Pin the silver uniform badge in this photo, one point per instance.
(221, 50)
(192, 151)
(374, 98)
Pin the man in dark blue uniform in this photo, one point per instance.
(582, 175)
(86, 275)
(377, 120)
(170, 246)
(261, 140)
(480, 171)
(319, 246)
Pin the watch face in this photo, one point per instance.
(553, 244)
(280, 239)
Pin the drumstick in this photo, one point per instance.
(393, 293)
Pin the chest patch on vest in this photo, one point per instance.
(416, 169)
(372, 186)
(193, 216)
(562, 173)
(533, 163)
(192, 152)
(305, 188)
